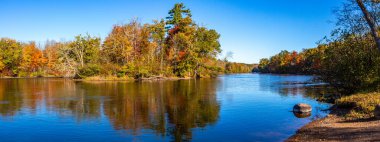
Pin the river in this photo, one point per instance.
(236, 107)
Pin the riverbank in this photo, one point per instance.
(350, 119)
(107, 78)
(114, 78)
(335, 127)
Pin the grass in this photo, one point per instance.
(108, 78)
(362, 105)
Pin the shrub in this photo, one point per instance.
(89, 70)
(352, 65)
(36, 74)
(109, 69)
(22, 74)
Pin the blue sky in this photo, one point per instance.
(251, 29)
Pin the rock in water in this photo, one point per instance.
(302, 108)
(377, 112)
(302, 115)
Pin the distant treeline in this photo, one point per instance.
(306, 62)
(349, 60)
(172, 47)
(232, 67)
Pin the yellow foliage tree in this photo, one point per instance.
(32, 58)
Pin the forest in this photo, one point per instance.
(349, 59)
(170, 47)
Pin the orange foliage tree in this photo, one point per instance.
(32, 58)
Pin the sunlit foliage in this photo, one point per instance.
(10, 56)
(171, 47)
(349, 60)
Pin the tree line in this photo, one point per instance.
(349, 59)
(174, 46)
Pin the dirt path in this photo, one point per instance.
(335, 128)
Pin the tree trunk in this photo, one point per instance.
(81, 61)
(162, 60)
(370, 21)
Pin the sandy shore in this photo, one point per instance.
(335, 127)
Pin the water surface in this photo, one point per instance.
(239, 107)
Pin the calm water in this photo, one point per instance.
(243, 107)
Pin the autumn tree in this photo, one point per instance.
(158, 35)
(172, 47)
(206, 48)
(118, 45)
(351, 65)
(130, 45)
(180, 34)
(144, 54)
(10, 56)
(55, 59)
(85, 49)
(126, 42)
(32, 59)
(263, 65)
(67, 64)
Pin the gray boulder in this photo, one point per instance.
(377, 111)
(302, 108)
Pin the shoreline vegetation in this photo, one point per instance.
(349, 61)
(171, 48)
(105, 78)
(115, 78)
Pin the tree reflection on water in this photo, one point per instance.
(168, 108)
